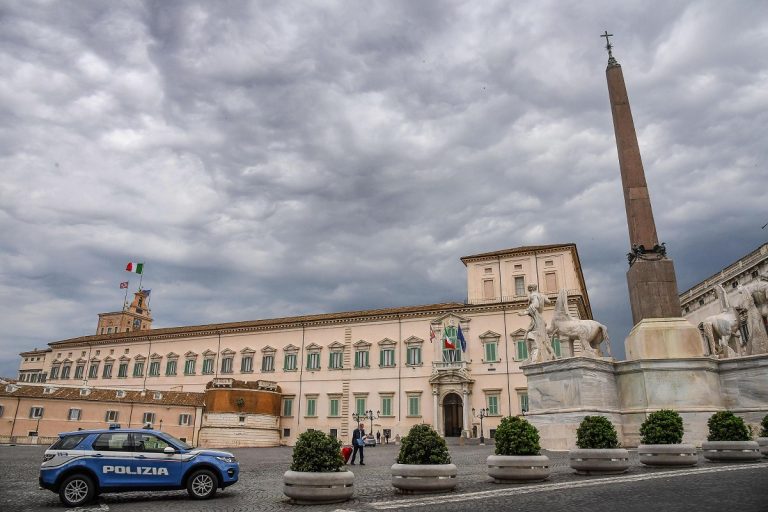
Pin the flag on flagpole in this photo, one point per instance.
(146, 292)
(431, 334)
(137, 268)
(448, 343)
(124, 285)
(460, 337)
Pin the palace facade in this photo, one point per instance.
(399, 363)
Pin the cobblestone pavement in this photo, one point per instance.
(260, 485)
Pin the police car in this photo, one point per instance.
(83, 464)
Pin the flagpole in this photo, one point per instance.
(141, 276)
(125, 299)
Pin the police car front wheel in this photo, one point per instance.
(77, 490)
(202, 484)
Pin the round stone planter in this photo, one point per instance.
(668, 454)
(305, 488)
(762, 442)
(518, 468)
(599, 461)
(424, 478)
(731, 451)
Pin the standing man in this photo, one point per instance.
(378, 437)
(358, 443)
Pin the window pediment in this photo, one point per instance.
(109, 359)
(386, 342)
(361, 344)
(172, 355)
(247, 350)
(155, 356)
(139, 357)
(209, 352)
(190, 355)
(413, 340)
(81, 360)
(228, 352)
(336, 346)
(314, 347)
(290, 348)
(124, 359)
(268, 350)
(95, 359)
(490, 336)
(442, 318)
(518, 333)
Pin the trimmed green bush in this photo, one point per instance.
(596, 432)
(662, 427)
(515, 436)
(764, 424)
(726, 426)
(423, 445)
(317, 452)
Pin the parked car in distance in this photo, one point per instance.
(369, 440)
(83, 464)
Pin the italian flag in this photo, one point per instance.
(137, 268)
(448, 343)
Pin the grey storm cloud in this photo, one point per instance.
(274, 158)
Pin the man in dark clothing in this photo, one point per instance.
(358, 443)
(378, 437)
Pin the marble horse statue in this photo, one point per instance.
(589, 333)
(721, 331)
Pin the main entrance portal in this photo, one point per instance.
(452, 415)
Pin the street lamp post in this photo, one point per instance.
(367, 415)
(483, 414)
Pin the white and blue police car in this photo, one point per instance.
(83, 464)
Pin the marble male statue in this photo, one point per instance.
(537, 331)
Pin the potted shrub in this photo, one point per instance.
(661, 437)
(729, 439)
(762, 441)
(518, 454)
(317, 474)
(423, 464)
(598, 448)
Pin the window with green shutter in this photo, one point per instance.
(360, 405)
(490, 351)
(523, 397)
(333, 409)
(311, 406)
(287, 406)
(387, 357)
(414, 356)
(386, 406)
(522, 350)
(290, 362)
(556, 346)
(361, 359)
(493, 405)
(414, 408)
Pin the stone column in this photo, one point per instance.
(435, 413)
(465, 426)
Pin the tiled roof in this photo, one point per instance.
(518, 250)
(103, 395)
(328, 317)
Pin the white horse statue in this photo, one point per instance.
(590, 333)
(721, 331)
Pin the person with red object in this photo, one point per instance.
(358, 443)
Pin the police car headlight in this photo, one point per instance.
(47, 457)
(228, 460)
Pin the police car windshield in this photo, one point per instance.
(178, 442)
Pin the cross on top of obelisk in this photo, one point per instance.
(609, 47)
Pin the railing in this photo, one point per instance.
(512, 298)
(449, 365)
(727, 273)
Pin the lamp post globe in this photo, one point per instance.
(483, 414)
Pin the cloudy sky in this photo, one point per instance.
(277, 158)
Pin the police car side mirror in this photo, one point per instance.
(168, 450)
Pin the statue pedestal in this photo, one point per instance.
(663, 338)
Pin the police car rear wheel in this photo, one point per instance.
(202, 484)
(76, 490)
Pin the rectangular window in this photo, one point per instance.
(520, 286)
(493, 405)
(386, 406)
(490, 351)
(122, 370)
(36, 413)
(334, 433)
(550, 281)
(387, 357)
(107, 373)
(360, 405)
(287, 406)
(523, 397)
(170, 367)
(154, 368)
(522, 350)
(556, 347)
(185, 419)
(311, 407)
(333, 407)
(111, 416)
(414, 356)
(93, 371)
(313, 361)
(246, 364)
(226, 365)
(74, 415)
(55, 372)
(414, 405)
(488, 289)
(189, 367)
(361, 359)
(149, 417)
(336, 361)
(290, 362)
(208, 366)
(138, 369)
(65, 371)
(268, 363)
(79, 371)
(2, 410)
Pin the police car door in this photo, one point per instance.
(158, 468)
(111, 457)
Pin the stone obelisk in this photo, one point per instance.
(651, 278)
